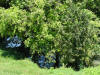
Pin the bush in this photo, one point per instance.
(93, 5)
(78, 37)
(10, 20)
(49, 27)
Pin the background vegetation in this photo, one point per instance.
(67, 28)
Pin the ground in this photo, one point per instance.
(12, 63)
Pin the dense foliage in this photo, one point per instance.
(49, 27)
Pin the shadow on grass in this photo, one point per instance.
(12, 53)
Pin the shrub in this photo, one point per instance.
(93, 5)
(10, 20)
(49, 27)
(78, 37)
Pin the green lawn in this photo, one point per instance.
(11, 63)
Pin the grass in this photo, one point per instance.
(11, 63)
